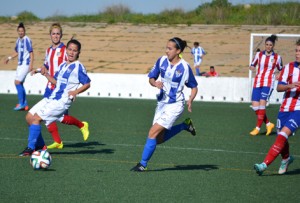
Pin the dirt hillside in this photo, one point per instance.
(126, 48)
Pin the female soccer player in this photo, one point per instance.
(198, 53)
(267, 62)
(56, 55)
(71, 74)
(175, 73)
(288, 120)
(24, 51)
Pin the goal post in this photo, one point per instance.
(284, 47)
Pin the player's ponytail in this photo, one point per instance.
(21, 25)
(272, 39)
(180, 44)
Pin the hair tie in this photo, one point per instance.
(177, 43)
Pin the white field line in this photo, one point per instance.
(166, 147)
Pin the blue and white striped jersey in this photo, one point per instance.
(68, 78)
(174, 78)
(24, 48)
(198, 53)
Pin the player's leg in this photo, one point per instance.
(34, 133)
(266, 92)
(197, 69)
(53, 130)
(149, 147)
(255, 106)
(82, 125)
(187, 125)
(21, 74)
(281, 145)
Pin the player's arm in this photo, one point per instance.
(50, 78)
(194, 92)
(284, 87)
(31, 61)
(6, 60)
(155, 83)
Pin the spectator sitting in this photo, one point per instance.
(212, 72)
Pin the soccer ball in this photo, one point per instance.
(40, 159)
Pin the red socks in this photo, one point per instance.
(280, 146)
(261, 117)
(52, 128)
(70, 120)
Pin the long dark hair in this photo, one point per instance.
(180, 44)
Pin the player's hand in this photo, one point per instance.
(252, 68)
(159, 84)
(72, 95)
(189, 105)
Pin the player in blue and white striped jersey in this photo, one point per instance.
(67, 82)
(174, 73)
(198, 53)
(24, 51)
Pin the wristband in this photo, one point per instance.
(9, 58)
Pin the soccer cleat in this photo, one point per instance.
(190, 125)
(254, 132)
(259, 168)
(20, 107)
(269, 128)
(85, 131)
(56, 145)
(26, 152)
(284, 165)
(44, 147)
(139, 168)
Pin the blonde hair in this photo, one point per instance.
(56, 25)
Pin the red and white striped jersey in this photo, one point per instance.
(291, 97)
(265, 73)
(53, 59)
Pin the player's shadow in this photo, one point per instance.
(83, 145)
(293, 172)
(189, 168)
(88, 148)
(89, 151)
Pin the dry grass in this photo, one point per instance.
(126, 48)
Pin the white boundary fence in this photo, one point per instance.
(136, 86)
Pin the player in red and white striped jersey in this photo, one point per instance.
(267, 61)
(288, 120)
(55, 56)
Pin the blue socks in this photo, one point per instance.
(174, 131)
(21, 94)
(198, 71)
(34, 134)
(149, 149)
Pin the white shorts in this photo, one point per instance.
(167, 114)
(198, 63)
(49, 110)
(21, 73)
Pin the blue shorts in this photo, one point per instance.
(260, 93)
(291, 120)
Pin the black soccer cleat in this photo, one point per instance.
(26, 152)
(139, 168)
(190, 125)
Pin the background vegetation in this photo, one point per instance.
(216, 12)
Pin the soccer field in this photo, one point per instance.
(214, 166)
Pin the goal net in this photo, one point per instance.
(284, 46)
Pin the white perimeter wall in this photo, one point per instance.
(221, 89)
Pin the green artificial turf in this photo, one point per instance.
(214, 166)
